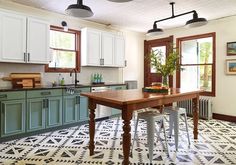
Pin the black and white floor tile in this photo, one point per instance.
(216, 145)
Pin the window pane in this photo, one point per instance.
(63, 59)
(199, 51)
(62, 40)
(162, 51)
(193, 77)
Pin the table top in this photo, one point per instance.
(136, 95)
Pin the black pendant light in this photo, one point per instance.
(195, 22)
(79, 10)
(155, 31)
(119, 1)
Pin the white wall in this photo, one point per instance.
(224, 102)
(134, 50)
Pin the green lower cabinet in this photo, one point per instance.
(83, 109)
(12, 117)
(36, 114)
(119, 87)
(54, 112)
(71, 106)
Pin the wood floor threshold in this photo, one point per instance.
(224, 117)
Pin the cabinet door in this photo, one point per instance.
(36, 114)
(54, 111)
(12, 117)
(13, 37)
(93, 47)
(83, 109)
(107, 49)
(37, 41)
(119, 53)
(71, 106)
(120, 87)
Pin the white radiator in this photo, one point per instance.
(205, 107)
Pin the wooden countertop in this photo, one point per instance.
(6, 89)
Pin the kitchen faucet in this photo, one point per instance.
(74, 70)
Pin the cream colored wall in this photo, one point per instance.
(134, 50)
(224, 102)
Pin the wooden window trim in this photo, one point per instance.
(213, 35)
(77, 50)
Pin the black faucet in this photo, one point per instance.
(75, 71)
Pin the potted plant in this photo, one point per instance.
(165, 66)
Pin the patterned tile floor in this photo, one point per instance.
(216, 145)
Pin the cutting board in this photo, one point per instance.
(23, 82)
(24, 79)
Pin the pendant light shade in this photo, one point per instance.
(195, 22)
(79, 10)
(119, 1)
(155, 31)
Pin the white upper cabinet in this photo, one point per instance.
(107, 49)
(90, 47)
(23, 39)
(100, 48)
(38, 41)
(119, 51)
(13, 37)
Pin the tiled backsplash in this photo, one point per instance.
(109, 74)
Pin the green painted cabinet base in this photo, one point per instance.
(71, 106)
(12, 117)
(54, 112)
(83, 109)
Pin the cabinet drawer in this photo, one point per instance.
(44, 93)
(12, 95)
(75, 91)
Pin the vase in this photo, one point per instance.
(165, 81)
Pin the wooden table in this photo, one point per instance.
(130, 100)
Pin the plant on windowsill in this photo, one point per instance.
(165, 67)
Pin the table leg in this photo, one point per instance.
(195, 116)
(126, 116)
(92, 107)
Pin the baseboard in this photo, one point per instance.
(224, 117)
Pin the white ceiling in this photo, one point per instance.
(139, 15)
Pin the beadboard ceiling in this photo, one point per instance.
(139, 15)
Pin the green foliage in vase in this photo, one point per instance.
(164, 66)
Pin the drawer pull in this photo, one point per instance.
(45, 93)
(77, 100)
(3, 96)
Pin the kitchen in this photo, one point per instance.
(133, 55)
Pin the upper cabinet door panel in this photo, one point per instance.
(38, 41)
(94, 48)
(107, 48)
(119, 52)
(13, 37)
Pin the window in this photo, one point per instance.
(64, 50)
(198, 63)
(162, 52)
